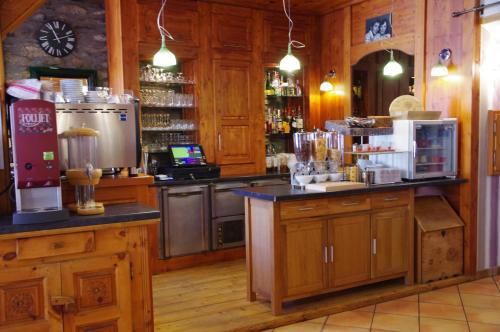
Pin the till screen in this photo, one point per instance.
(187, 155)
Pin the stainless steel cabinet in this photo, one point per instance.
(185, 219)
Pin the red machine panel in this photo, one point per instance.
(34, 139)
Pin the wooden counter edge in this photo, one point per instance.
(76, 229)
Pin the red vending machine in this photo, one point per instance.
(36, 162)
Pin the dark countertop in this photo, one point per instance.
(243, 178)
(112, 214)
(284, 193)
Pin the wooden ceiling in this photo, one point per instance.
(316, 7)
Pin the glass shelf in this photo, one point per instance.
(431, 148)
(276, 97)
(372, 153)
(428, 164)
(165, 83)
(159, 129)
(169, 107)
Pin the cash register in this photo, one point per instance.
(183, 162)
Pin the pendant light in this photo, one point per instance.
(392, 68)
(290, 63)
(164, 57)
(327, 86)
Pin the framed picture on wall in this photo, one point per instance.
(378, 28)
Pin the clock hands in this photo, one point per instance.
(64, 37)
(55, 35)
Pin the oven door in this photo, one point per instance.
(228, 232)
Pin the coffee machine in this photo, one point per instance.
(36, 163)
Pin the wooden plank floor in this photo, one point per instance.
(213, 298)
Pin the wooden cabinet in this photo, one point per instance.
(305, 245)
(349, 246)
(25, 295)
(328, 244)
(67, 288)
(100, 288)
(232, 28)
(390, 242)
(233, 102)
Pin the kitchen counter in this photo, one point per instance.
(284, 193)
(242, 178)
(118, 213)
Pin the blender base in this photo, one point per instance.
(98, 208)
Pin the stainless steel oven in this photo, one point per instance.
(228, 216)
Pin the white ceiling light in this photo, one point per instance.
(290, 63)
(164, 57)
(327, 86)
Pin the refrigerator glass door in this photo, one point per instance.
(434, 150)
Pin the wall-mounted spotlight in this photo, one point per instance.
(441, 68)
(326, 85)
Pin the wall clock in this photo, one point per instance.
(56, 38)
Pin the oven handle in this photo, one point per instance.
(226, 190)
(192, 193)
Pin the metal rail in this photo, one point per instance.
(474, 9)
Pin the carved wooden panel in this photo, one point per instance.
(232, 28)
(111, 326)
(21, 301)
(93, 283)
(24, 298)
(96, 289)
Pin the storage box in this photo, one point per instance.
(439, 239)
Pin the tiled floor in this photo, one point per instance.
(474, 307)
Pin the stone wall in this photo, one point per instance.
(87, 19)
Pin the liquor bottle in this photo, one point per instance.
(300, 120)
(279, 121)
(294, 121)
(284, 86)
(276, 84)
(291, 87)
(286, 121)
(269, 87)
(298, 89)
(274, 122)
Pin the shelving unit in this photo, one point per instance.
(284, 99)
(164, 102)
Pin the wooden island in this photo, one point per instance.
(305, 243)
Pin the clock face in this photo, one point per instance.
(56, 38)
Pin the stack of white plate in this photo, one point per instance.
(97, 97)
(72, 90)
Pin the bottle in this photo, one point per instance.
(274, 125)
(300, 120)
(276, 84)
(286, 121)
(269, 88)
(279, 121)
(294, 122)
(284, 86)
(291, 87)
(298, 89)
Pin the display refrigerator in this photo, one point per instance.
(432, 147)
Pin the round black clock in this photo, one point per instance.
(56, 38)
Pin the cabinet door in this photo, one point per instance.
(100, 288)
(349, 240)
(232, 32)
(25, 295)
(305, 257)
(233, 102)
(389, 242)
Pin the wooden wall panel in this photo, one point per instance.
(15, 12)
(403, 17)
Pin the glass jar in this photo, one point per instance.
(319, 152)
(302, 147)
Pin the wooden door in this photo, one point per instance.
(25, 295)
(101, 289)
(305, 257)
(349, 249)
(234, 103)
(389, 242)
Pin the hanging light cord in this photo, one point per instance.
(291, 43)
(163, 32)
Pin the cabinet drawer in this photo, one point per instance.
(55, 245)
(349, 204)
(304, 209)
(390, 199)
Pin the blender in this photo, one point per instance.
(82, 157)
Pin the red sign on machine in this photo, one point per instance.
(34, 140)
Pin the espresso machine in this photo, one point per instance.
(36, 163)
